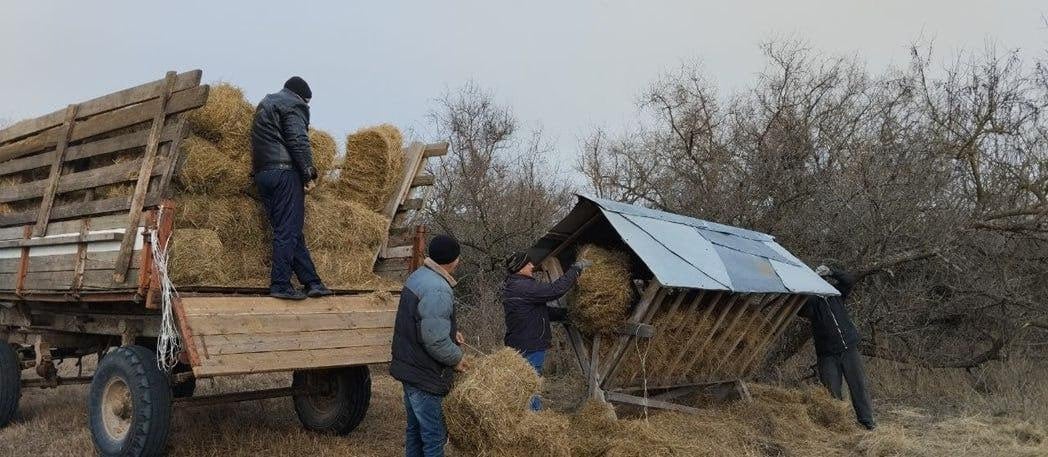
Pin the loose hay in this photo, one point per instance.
(372, 167)
(603, 295)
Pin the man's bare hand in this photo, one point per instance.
(462, 366)
(459, 339)
(310, 185)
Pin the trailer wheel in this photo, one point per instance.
(10, 383)
(342, 401)
(129, 404)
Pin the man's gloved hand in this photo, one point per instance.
(823, 270)
(310, 185)
(582, 264)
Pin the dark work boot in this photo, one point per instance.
(317, 289)
(287, 294)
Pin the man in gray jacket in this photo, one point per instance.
(426, 350)
(282, 164)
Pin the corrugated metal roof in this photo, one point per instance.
(686, 252)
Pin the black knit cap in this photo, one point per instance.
(299, 86)
(444, 249)
(515, 261)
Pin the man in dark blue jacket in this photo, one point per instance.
(528, 317)
(426, 352)
(282, 165)
(837, 345)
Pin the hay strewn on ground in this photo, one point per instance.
(373, 166)
(215, 193)
(603, 294)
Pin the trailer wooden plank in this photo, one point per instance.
(60, 240)
(246, 306)
(81, 209)
(62, 262)
(106, 122)
(95, 177)
(86, 150)
(296, 341)
(58, 281)
(291, 360)
(100, 105)
(423, 181)
(59, 227)
(282, 323)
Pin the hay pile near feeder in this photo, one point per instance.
(372, 167)
(487, 410)
(604, 291)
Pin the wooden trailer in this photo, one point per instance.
(78, 277)
(711, 300)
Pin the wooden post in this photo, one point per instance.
(418, 250)
(651, 294)
(23, 262)
(43, 215)
(81, 257)
(127, 244)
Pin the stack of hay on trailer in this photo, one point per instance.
(228, 241)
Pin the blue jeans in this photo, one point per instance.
(426, 433)
(536, 359)
(285, 201)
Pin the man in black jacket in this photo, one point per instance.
(282, 165)
(837, 345)
(528, 318)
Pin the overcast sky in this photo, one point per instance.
(564, 66)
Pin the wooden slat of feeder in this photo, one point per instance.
(788, 318)
(673, 307)
(686, 368)
(680, 325)
(719, 347)
(747, 327)
(713, 298)
(765, 330)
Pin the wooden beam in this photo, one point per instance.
(435, 149)
(649, 402)
(411, 204)
(48, 198)
(775, 336)
(413, 160)
(747, 327)
(637, 329)
(733, 299)
(123, 260)
(567, 241)
(87, 179)
(90, 238)
(74, 210)
(423, 181)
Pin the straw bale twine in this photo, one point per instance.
(373, 166)
(192, 257)
(602, 298)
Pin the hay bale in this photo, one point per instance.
(324, 150)
(373, 166)
(487, 410)
(226, 116)
(207, 169)
(602, 297)
(192, 258)
(335, 223)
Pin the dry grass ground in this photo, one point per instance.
(1005, 421)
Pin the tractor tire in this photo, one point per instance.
(342, 403)
(10, 383)
(129, 404)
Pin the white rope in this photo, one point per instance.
(168, 344)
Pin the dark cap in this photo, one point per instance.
(299, 86)
(444, 249)
(515, 261)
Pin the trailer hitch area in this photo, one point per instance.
(45, 365)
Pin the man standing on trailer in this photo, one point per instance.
(528, 318)
(426, 352)
(837, 345)
(282, 166)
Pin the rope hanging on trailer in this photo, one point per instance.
(169, 342)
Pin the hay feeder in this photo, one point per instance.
(711, 300)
